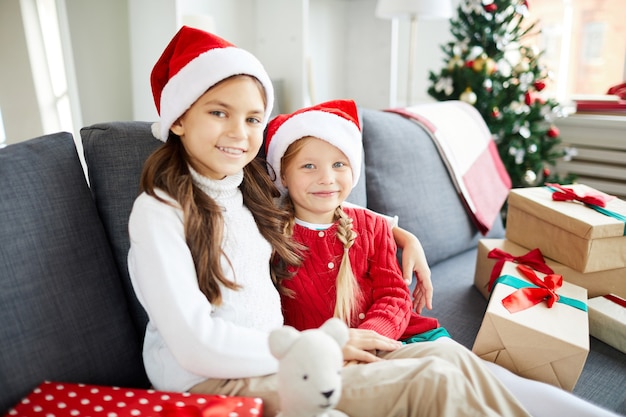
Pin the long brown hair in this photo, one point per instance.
(167, 169)
(348, 290)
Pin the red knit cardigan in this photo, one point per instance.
(386, 306)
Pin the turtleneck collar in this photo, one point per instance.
(226, 187)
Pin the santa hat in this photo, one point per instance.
(336, 122)
(193, 62)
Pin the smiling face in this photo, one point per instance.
(223, 130)
(318, 178)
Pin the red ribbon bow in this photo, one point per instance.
(567, 194)
(524, 298)
(533, 259)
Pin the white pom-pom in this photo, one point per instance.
(156, 131)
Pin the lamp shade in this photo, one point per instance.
(422, 9)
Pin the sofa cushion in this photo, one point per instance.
(358, 195)
(64, 315)
(406, 177)
(115, 153)
(457, 304)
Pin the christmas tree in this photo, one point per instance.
(489, 66)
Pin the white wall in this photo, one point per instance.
(282, 46)
(366, 71)
(99, 32)
(151, 25)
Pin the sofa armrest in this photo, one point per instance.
(64, 314)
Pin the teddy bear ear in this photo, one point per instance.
(281, 339)
(337, 329)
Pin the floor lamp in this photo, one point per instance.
(413, 10)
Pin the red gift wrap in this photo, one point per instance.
(57, 399)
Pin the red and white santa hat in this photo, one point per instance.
(336, 122)
(192, 62)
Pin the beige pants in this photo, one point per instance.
(423, 379)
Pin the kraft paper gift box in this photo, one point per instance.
(607, 320)
(612, 281)
(569, 232)
(60, 399)
(548, 344)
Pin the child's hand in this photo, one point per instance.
(423, 292)
(363, 344)
(414, 261)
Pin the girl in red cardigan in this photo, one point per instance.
(350, 269)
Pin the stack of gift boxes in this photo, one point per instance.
(558, 276)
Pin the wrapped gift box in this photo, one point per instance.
(548, 344)
(568, 231)
(607, 320)
(68, 400)
(612, 281)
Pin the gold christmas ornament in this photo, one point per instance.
(522, 67)
(491, 66)
(485, 62)
(468, 96)
(479, 63)
(455, 62)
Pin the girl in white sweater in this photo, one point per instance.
(202, 233)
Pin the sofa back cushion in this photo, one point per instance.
(115, 153)
(64, 313)
(406, 177)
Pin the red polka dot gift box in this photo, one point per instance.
(56, 399)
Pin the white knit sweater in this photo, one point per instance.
(187, 339)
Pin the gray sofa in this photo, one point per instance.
(67, 310)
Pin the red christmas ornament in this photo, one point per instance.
(491, 8)
(546, 172)
(469, 64)
(553, 132)
(529, 98)
(540, 85)
(495, 113)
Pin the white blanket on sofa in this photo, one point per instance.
(470, 154)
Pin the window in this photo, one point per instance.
(3, 136)
(592, 42)
(584, 44)
(44, 39)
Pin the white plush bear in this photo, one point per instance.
(309, 369)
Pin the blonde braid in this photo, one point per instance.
(348, 290)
